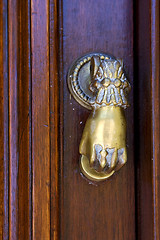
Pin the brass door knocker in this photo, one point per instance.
(97, 82)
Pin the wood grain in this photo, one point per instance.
(4, 226)
(43, 195)
(54, 119)
(20, 116)
(24, 121)
(105, 210)
(13, 118)
(155, 86)
(19, 123)
(40, 120)
(147, 131)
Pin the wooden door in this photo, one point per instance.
(43, 194)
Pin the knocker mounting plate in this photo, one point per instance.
(79, 79)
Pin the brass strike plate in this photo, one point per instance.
(98, 83)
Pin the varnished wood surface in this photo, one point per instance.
(13, 118)
(3, 122)
(42, 192)
(143, 121)
(33, 120)
(40, 120)
(19, 121)
(155, 86)
(147, 119)
(105, 210)
(54, 119)
(24, 121)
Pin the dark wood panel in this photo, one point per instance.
(88, 210)
(40, 119)
(147, 118)
(3, 122)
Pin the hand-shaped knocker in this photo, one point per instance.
(97, 81)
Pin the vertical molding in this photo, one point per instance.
(54, 118)
(13, 118)
(29, 85)
(40, 120)
(61, 121)
(24, 121)
(155, 93)
(147, 97)
(19, 120)
(143, 115)
(4, 225)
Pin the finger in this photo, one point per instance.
(122, 158)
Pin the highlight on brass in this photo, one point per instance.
(97, 81)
